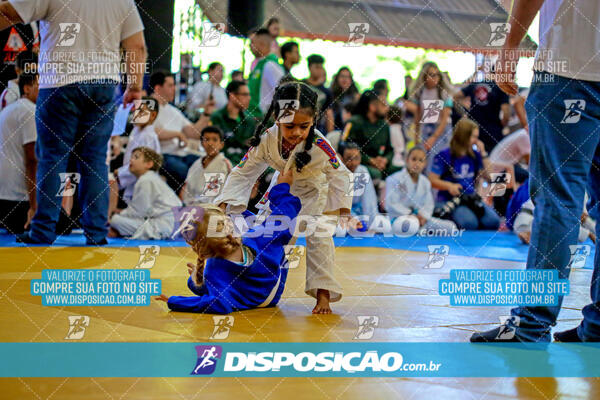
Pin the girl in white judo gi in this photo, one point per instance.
(408, 192)
(321, 180)
(149, 215)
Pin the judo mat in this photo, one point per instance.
(481, 244)
(381, 276)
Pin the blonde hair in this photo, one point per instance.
(207, 246)
(461, 138)
(443, 88)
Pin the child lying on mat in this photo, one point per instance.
(234, 273)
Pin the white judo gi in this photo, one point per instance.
(149, 215)
(524, 221)
(402, 196)
(138, 138)
(202, 185)
(324, 185)
(364, 201)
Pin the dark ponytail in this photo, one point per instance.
(255, 139)
(303, 157)
(307, 99)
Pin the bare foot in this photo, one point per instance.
(322, 306)
(524, 236)
(113, 233)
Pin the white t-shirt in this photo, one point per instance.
(9, 95)
(80, 38)
(398, 144)
(570, 39)
(170, 118)
(272, 74)
(433, 94)
(138, 138)
(17, 128)
(200, 93)
(511, 149)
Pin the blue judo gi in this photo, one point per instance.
(229, 286)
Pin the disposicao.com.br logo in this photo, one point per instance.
(313, 363)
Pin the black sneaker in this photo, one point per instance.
(25, 238)
(567, 336)
(501, 334)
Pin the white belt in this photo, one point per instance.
(271, 296)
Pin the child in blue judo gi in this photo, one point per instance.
(234, 273)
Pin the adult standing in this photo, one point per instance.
(291, 56)
(79, 71)
(344, 92)
(205, 92)
(487, 103)
(564, 140)
(265, 75)
(316, 80)
(174, 130)
(274, 28)
(18, 162)
(430, 100)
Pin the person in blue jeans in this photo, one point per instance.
(80, 53)
(563, 110)
(455, 173)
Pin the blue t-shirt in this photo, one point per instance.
(462, 170)
(516, 202)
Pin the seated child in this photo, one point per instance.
(455, 173)
(397, 139)
(234, 273)
(409, 192)
(143, 134)
(200, 187)
(149, 214)
(519, 217)
(364, 201)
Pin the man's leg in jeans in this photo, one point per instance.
(175, 170)
(189, 160)
(561, 155)
(92, 143)
(56, 122)
(589, 330)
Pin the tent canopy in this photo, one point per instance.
(441, 24)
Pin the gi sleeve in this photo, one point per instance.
(200, 304)
(341, 183)
(395, 200)
(369, 200)
(427, 210)
(283, 203)
(199, 290)
(141, 201)
(238, 186)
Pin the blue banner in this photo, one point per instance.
(503, 287)
(95, 287)
(221, 359)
